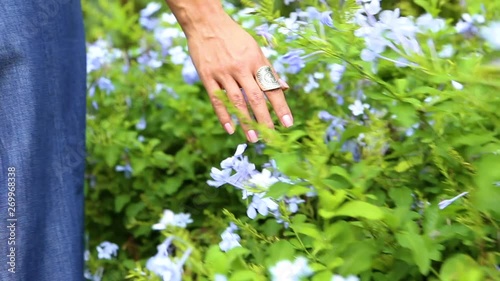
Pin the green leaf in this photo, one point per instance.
(278, 190)
(329, 201)
(461, 267)
(216, 260)
(401, 196)
(281, 250)
(406, 164)
(487, 194)
(134, 208)
(172, 184)
(360, 209)
(244, 275)
(416, 245)
(474, 139)
(358, 257)
(308, 229)
(120, 201)
(138, 165)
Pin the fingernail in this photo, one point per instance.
(229, 128)
(287, 120)
(283, 84)
(252, 136)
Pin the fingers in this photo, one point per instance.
(255, 97)
(238, 100)
(277, 99)
(220, 109)
(257, 101)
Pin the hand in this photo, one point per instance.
(227, 58)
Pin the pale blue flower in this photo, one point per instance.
(446, 52)
(169, 218)
(94, 277)
(177, 55)
(100, 54)
(263, 180)
(230, 239)
(325, 115)
(145, 20)
(291, 25)
(457, 85)
(326, 19)
(310, 14)
(372, 7)
(334, 130)
(107, 250)
(357, 108)
(141, 125)
(445, 203)
(412, 129)
(150, 9)
(169, 18)
(288, 2)
(491, 34)
(189, 72)
(468, 24)
(165, 37)
(294, 61)
(239, 163)
(220, 277)
(354, 148)
(265, 31)
(293, 203)
(268, 52)
(337, 277)
(220, 177)
(336, 72)
(311, 84)
(148, 23)
(427, 23)
(261, 205)
(285, 270)
(163, 266)
(86, 255)
(127, 169)
(368, 55)
(150, 59)
(105, 85)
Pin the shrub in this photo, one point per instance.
(390, 173)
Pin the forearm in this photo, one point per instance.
(197, 16)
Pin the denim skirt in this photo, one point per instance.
(42, 140)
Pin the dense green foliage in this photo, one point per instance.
(378, 176)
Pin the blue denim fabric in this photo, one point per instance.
(42, 139)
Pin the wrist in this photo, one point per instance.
(200, 17)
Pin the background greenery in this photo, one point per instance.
(376, 218)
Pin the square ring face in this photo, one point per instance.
(266, 79)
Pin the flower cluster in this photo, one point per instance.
(172, 219)
(162, 264)
(391, 31)
(290, 271)
(240, 173)
(229, 238)
(106, 250)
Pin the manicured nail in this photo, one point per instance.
(287, 120)
(283, 84)
(229, 128)
(252, 136)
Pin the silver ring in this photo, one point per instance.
(266, 79)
